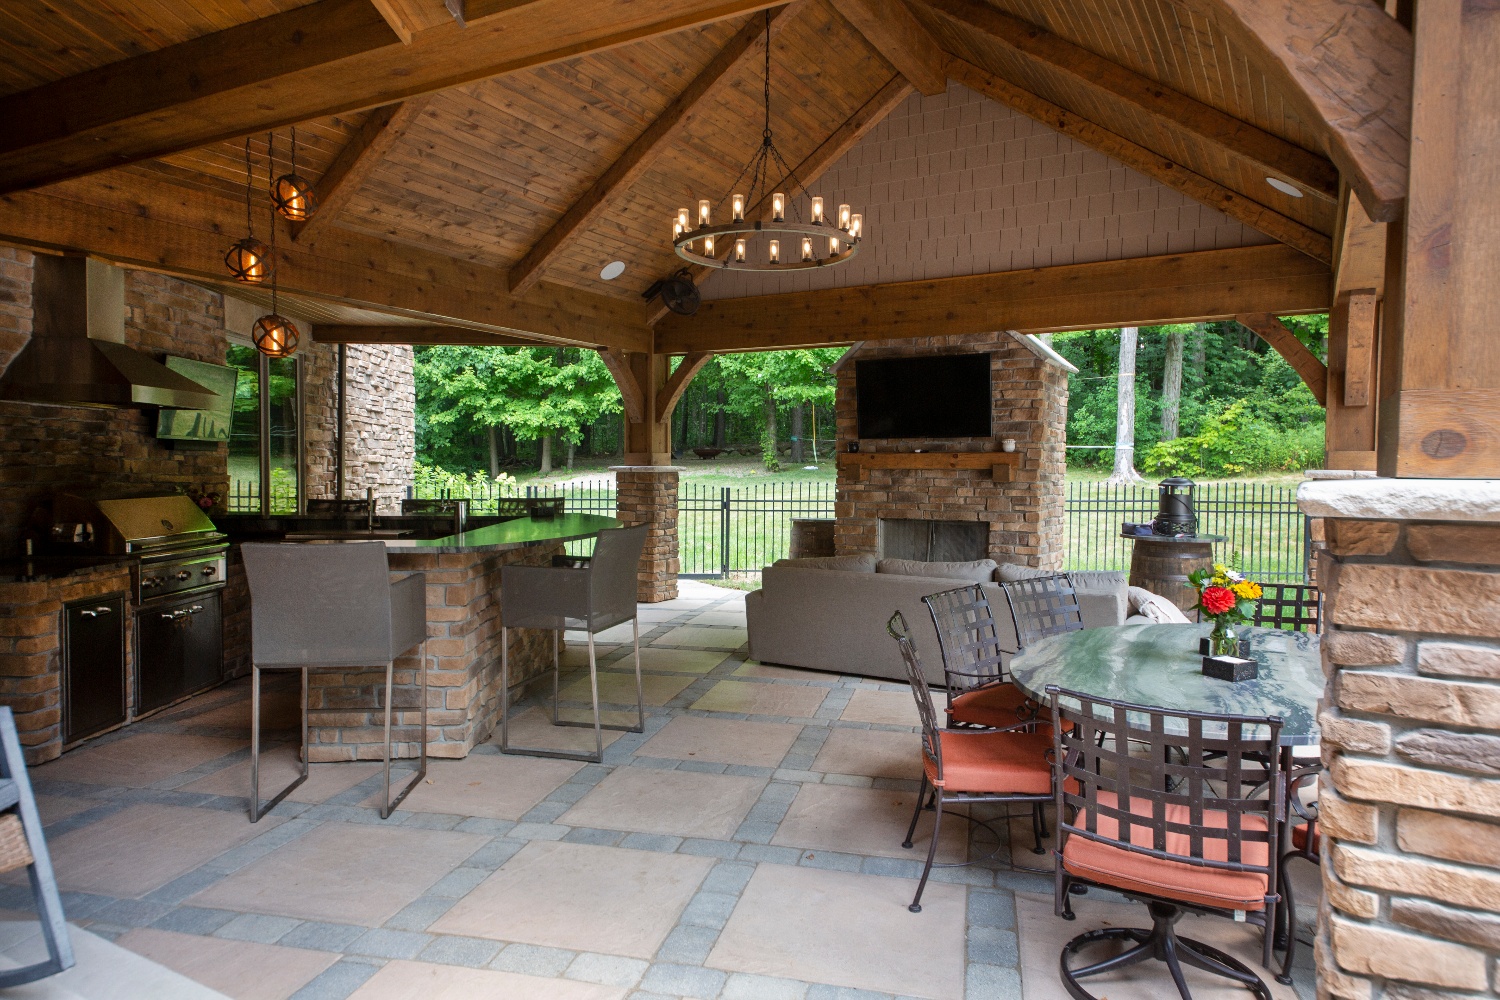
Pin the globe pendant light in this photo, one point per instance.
(293, 194)
(249, 260)
(841, 236)
(273, 334)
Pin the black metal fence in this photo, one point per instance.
(736, 531)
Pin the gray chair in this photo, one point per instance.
(589, 595)
(23, 846)
(331, 607)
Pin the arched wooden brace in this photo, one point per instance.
(1270, 329)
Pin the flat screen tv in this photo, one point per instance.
(200, 425)
(943, 396)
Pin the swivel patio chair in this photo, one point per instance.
(332, 607)
(1157, 828)
(23, 846)
(980, 690)
(591, 594)
(1296, 607)
(968, 766)
(1307, 842)
(1043, 606)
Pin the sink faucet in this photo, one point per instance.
(460, 516)
(370, 507)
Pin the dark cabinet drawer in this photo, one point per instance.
(93, 666)
(179, 650)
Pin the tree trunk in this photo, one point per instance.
(570, 454)
(1124, 471)
(768, 437)
(494, 451)
(1171, 387)
(720, 401)
(797, 455)
(546, 454)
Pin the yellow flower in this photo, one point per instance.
(1247, 590)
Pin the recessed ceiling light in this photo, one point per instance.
(1284, 187)
(612, 270)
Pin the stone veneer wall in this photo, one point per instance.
(1409, 803)
(1026, 516)
(379, 421)
(647, 494)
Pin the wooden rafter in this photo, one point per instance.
(1352, 65)
(826, 155)
(745, 47)
(182, 233)
(397, 16)
(326, 333)
(1171, 111)
(896, 34)
(1145, 291)
(631, 397)
(1267, 327)
(667, 398)
(1196, 186)
(360, 155)
(326, 58)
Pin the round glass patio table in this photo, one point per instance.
(1160, 666)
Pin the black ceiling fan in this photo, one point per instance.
(678, 293)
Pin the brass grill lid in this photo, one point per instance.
(138, 523)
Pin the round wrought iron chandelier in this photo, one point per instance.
(790, 244)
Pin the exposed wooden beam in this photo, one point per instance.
(1199, 188)
(1169, 110)
(399, 19)
(1147, 291)
(325, 333)
(826, 155)
(667, 398)
(748, 45)
(360, 155)
(159, 228)
(1352, 64)
(1273, 331)
(1360, 347)
(631, 397)
(472, 10)
(1359, 249)
(895, 33)
(326, 58)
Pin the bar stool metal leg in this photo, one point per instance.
(256, 809)
(640, 693)
(387, 806)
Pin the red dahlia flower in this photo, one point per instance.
(1217, 600)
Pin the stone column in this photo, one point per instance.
(647, 494)
(1410, 801)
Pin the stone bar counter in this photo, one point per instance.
(463, 628)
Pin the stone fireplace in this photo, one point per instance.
(959, 499)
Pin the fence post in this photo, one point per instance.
(724, 533)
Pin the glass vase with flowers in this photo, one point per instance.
(1227, 598)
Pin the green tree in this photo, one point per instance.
(764, 381)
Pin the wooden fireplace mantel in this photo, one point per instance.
(1002, 464)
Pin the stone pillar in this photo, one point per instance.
(1409, 801)
(647, 494)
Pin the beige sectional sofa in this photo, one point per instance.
(830, 613)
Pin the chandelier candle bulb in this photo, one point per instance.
(682, 218)
(778, 207)
(676, 230)
(703, 211)
(739, 251)
(844, 217)
(774, 252)
(834, 246)
(807, 248)
(708, 246)
(737, 207)
(856, 225)
(817, 211)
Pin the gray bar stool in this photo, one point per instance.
(590, 594)
(331, 607)
(22, 845)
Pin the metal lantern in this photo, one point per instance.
(249, 261)
(1174, 508)
(293, 196)
(275, 336)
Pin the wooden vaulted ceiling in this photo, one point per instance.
(497, 147)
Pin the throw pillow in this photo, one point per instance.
(1162, 611)
(849, 564)
(978, 571)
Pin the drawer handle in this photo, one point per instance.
(103, 609)
(172, 616)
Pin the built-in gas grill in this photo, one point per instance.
(179, 566)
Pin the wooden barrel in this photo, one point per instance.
(1162, 565)
(811, 537)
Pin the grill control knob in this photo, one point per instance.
(184, 574)
(210, 570)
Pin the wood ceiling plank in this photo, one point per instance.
(324, 59)
(324, 333)
(1313, 372)
(897, 35)
(341, 181)
(747, 47)
(1195, 186)
(1168, 110)
(1178, 288)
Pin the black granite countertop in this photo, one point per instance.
(45, 568)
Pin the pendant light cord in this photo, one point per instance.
(249, 181)
(271, 183)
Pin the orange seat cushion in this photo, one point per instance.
(1299, 837)
(1193, 884)
(995, 706)
(995, 763)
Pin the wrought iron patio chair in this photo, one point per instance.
(980, 691)
(1296, 607)
(442, 505)
(1043, 606)
(353, 508)
(1178, 827)
(22, 845)
(1307, 841)
(969, 766)
(590, 594)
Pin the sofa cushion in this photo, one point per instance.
(849, 564)
(978, 571)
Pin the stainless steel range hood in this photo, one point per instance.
(77, 355)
